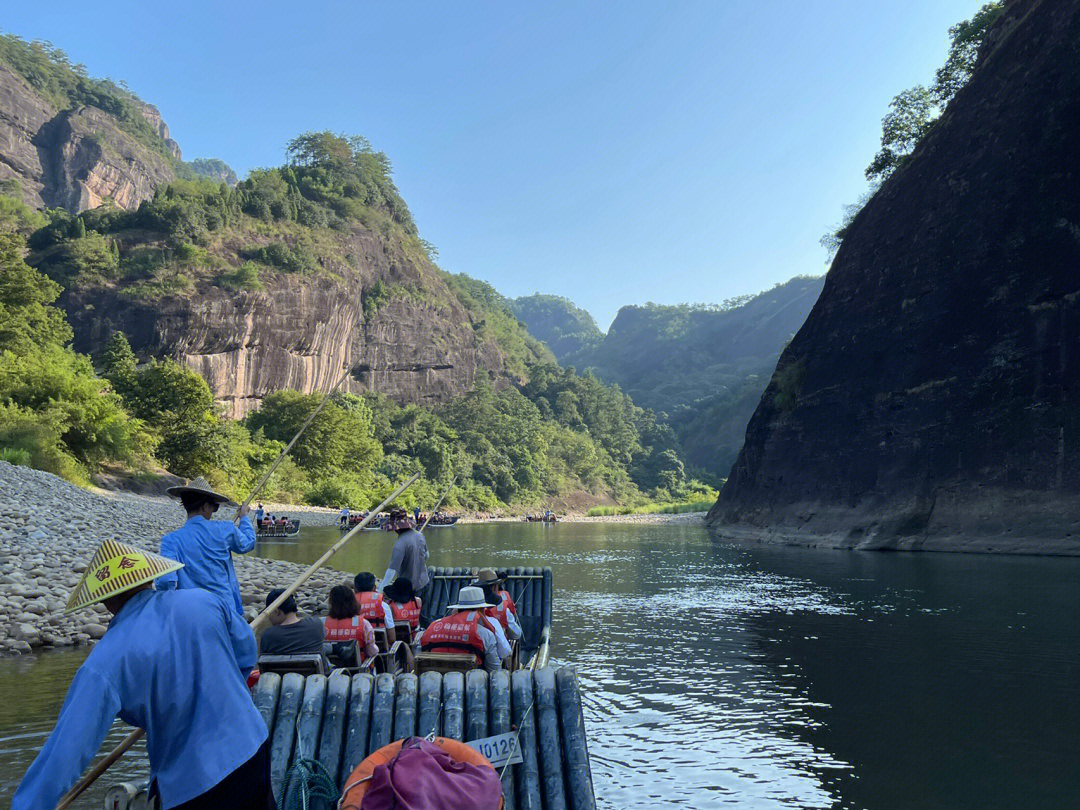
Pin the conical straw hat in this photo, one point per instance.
(199, 485)
(115, 568)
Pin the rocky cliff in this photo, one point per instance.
(931, 399)
(304, 331)
(75, 158)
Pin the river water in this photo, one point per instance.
(759, 677)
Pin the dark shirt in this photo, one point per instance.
(303, 637)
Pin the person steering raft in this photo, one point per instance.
(174, 663)
(205, 546)
(409, 555)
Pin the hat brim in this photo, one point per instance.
(150, 577)
(469, 607)
(217, 497)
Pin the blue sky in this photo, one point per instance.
(614, 153)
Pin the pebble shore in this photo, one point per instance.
(49, 530)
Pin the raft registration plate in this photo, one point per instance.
(500, 749)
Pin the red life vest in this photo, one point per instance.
(499, 611)
(346, 630)
(457, 633)
(408, 612)
(371, 607)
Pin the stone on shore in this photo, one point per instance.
(49, 529)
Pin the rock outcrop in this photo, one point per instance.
(304, 332)
(931, 399)
(74, 158)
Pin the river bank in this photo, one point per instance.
(49, 529)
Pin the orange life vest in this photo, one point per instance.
(346, 630)
(370, 604)
(408, 612)
(500, 610)
(457, 633)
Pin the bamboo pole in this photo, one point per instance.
(438, 503)
(330, 552)
(132, 738)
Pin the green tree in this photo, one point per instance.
(27, 318)
(913, 112)
(118, 361)
(339, 438)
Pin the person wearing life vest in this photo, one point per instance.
(350, 637)
(468, 630)
(504, 610)
(404, 604)
(373, 606)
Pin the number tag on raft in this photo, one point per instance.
(500, 749)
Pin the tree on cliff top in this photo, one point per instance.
(915, 111)
(345, 172)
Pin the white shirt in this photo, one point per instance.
(514, 629)
(492, 655)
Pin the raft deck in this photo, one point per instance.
(340, 719)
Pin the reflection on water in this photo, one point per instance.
(761, 677)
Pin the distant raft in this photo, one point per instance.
(273, 530)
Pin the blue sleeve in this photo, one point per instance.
(243, 640)
(243, 536)
(168, 549)
(89, 709)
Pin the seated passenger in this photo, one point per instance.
(468, 630)
(505, 611)
(289, 634)
(404, 604)
(373, 606)
(349, 636)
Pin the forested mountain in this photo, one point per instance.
(218, 312)
(568, 330)
(703, 368)
(930, 400)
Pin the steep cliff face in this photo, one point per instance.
(74, 158)
(304, 331)
(930, 401)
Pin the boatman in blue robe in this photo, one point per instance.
(173, 663)
(205, 546)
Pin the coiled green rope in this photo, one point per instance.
(308, 786)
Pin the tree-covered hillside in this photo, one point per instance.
(701, 368)
(567, 329)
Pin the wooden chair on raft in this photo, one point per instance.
(306, 664)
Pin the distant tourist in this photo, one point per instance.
(373, 606)
(205, 546)
(289, 633)
(504, 610)
(174, 663)
(259, 514)
(344, 519)
(349, 635)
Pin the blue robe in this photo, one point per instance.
(205, 548)
(175, 664)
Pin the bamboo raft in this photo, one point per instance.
(341, 718)
(271, 532)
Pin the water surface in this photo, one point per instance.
(760, 677)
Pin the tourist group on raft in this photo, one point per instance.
(177, 655)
